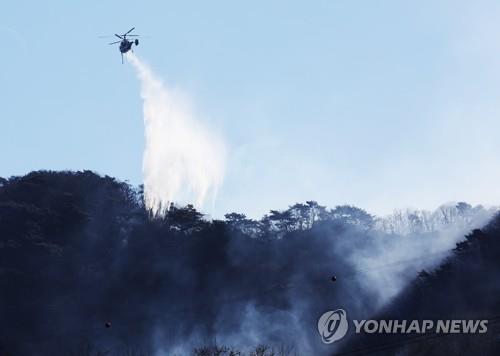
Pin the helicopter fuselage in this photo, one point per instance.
(125, 46)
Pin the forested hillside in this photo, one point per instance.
(465, 286)
(83, 263)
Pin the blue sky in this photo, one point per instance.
(384, 104)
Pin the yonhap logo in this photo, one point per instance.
(332, 325)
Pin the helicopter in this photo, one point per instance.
(125, 44)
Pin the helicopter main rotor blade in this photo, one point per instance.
(133, 35)
(126, 33)
(120, 37)
(114, 42)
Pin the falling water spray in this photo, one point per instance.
(183, 161)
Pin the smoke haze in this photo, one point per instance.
(183, 161)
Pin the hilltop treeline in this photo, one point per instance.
(82, 261)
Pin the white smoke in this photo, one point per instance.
(183, 161)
